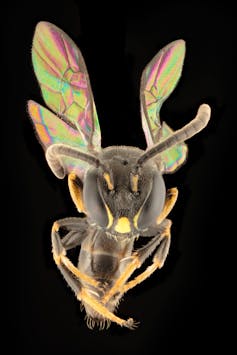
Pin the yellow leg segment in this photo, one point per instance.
(171, 198)
(157, 264)
(103, 311)
(78, 273)
(140, 278)
(136, 263)
(76, 191)
(59, 255)
(76, 279)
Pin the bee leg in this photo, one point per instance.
(75, 230)
(162, 239)
(103, 311)
(83, 296)
(75, 187)
(158, 261)
(139, 256)
(59, 247)
(171, 198)
(73, 238)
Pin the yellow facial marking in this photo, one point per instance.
(135, 219)
(123, 225)
(110, 217)
(108, 180)
(134, 182)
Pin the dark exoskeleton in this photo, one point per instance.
(120, 189)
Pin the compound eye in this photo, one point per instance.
(153, 204)
(93, 200)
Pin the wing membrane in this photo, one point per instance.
(50, 129)
(174, 157)
(61, 72)
(159, 79)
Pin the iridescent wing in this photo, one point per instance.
(61, 72)
(159, 79)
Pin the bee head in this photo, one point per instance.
(120, 197)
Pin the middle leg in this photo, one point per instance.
(72, 239)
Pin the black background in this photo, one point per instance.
(187, 305)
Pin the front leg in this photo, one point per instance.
(162, 239)
(139, 256)
(158, 262)
(78, 230)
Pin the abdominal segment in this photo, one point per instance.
(105, 269)
(103, 259)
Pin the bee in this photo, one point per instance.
(119, 189)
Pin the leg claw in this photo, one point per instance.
(131, 324)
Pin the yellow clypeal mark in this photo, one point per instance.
(123, 225)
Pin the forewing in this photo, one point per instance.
(159, 79)
(174, 157)
(64, 81)
(50, 129)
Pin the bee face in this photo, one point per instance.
(120, 200)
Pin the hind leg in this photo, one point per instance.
(72, 275)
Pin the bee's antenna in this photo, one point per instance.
(55, 151)
(193, 127)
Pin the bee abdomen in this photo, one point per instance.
(104, 264)
(99, 264)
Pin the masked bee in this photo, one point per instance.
(120, 189)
